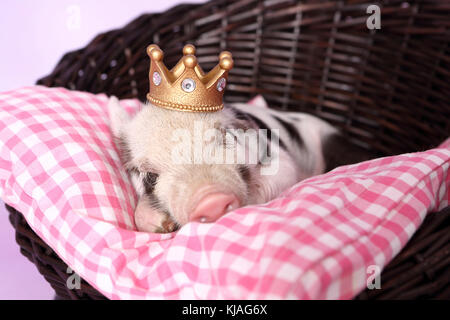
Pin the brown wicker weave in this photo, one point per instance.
(47, 261)
(387, 89)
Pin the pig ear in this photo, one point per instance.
(117, 115)
(259, 101)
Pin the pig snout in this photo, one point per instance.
(212, 206)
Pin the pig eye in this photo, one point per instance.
(149, 182)
(188, 85)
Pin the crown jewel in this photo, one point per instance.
(186, 87)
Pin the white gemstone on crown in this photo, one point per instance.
(221, 84)
(156, 78)
(188, 85)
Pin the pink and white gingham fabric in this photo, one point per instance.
(59, 167)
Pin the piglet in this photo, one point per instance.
(195, 167)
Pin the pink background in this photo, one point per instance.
(34, 36)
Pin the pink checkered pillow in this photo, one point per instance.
(58, 166)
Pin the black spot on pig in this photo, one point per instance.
(292, 131)
(124, 149)
(149, 182)
(242, 115)
(244, 171)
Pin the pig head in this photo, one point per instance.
(173, 192)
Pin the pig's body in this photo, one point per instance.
(172, 194)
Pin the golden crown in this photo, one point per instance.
(186, 87)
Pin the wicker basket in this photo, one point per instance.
(387, 89)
